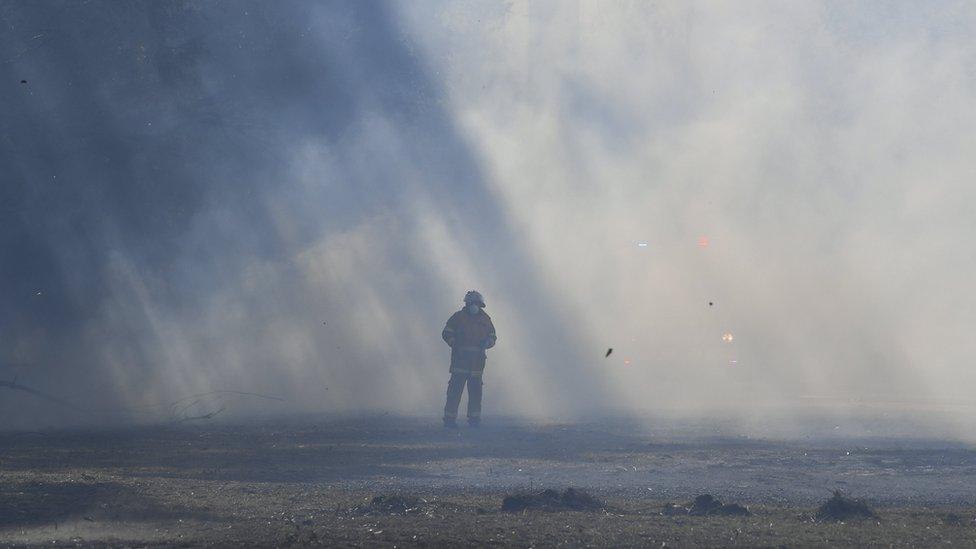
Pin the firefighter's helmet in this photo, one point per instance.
(474, 297)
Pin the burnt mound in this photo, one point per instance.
(571, 499)
(840, 508)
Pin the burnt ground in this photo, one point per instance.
(405, 481)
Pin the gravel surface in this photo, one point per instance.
(308, 480)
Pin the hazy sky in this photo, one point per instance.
(289, 197)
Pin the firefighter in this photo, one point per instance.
(469, 332)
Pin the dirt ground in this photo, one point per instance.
(311, 480)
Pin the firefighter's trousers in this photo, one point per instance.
(454, 389)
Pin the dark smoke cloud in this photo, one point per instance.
(149, 181)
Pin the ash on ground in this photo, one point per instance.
(390, 505)
(706, 505)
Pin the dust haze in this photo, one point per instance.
(291, 198)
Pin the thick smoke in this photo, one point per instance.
(820, 148)
(257, 197)
(290, 198)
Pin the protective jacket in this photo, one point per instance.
(469, 335)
